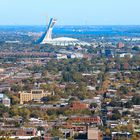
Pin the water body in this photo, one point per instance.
(79, 30)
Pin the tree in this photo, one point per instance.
(45, 73)
(14, 98)
(25, 113)
(76, 76)
(93, 105)
(16, 88)
(116, 115)
(123, 90)
(3, 110)
(136, 100)
(40, 128)
(50, 98)
(14, 111)
(44, 87)
(35, 138)
(136, 48)
(128, 104)
(72, 99)
(107, 132)
(134, 137)
(56, 133)
(126, 113)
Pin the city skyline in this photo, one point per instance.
(89, 12)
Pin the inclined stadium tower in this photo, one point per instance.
(61, 41)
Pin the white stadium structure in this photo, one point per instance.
(62, 41)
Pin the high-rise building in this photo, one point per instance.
(47, 36)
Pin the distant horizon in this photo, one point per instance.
(72, 25)
(121, 30)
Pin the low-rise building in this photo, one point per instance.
(61, 56)
(79, 105)
(85, 119)
(75, 128)
(5, 100)
(35, 95)
(94, 134)
(26, 132)
(126, 55)
(5, 87)
(136, 109)
(120, 135)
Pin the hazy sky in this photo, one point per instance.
(70, 12)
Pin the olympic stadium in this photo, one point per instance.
(61, 41)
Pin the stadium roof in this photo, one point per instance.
(61, 41)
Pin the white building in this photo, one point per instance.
(126, 55)
(5, 100)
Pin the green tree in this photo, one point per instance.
(123, 90)
(136, 100)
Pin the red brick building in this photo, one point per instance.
(78, 105)
(75, 128)
(85, 119)
(26, 132)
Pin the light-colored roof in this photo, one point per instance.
(1, 95)
(64, 39)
